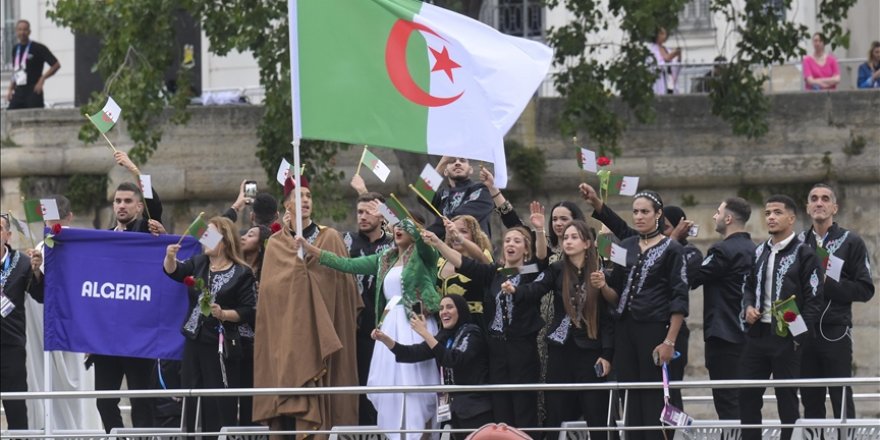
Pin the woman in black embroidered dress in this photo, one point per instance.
(512, 323)
(460, 350)
(580, 342)
(653, 301)
(230, 283)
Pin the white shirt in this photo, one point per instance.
(769, 274)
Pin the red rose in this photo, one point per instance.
(789, 316)
(603, 161)
(275, 227)
(189, 281)
(56, 229)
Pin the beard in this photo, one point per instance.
(459, 179)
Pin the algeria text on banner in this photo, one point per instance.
(106, 293)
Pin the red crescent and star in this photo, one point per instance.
(398, 72)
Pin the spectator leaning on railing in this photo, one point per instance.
(821, 71)
(869, 72)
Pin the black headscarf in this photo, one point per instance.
(674, 214)
(464, 317)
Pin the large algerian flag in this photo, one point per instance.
(409, 75)
(106, 119)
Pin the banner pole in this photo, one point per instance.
(361, 162)
(48, 407)
(293, 37)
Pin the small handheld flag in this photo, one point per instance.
(106, 119)
(33, 211)
(623, 185)
(587, 159)
(429, 182)
(603, 245)
(375, 165)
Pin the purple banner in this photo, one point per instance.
(106, 293)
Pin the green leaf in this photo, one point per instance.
(49, 241)
(205, 303)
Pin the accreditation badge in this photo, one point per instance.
(444, 413)
(20, 77)
(6, 306)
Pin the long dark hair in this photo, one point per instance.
(587, 297)
(576, 214)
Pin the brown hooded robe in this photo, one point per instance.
(305, 335)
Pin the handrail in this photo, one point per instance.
(219, 392)
(853, 424)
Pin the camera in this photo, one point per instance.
(693, 230)
(250, 189)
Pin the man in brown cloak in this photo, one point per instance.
(305, 329)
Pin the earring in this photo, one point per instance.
(657, 223)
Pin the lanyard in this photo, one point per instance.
(21, 58)
(665, 382)
(7, 260)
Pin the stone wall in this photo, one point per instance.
(687, 154)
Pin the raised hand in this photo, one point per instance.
(537, 216)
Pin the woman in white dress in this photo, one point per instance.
(407, 275)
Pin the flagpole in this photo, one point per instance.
(361, 162)
(293, 35)
(426, 201)
(187, 229)
(406, 211)
(112, 148)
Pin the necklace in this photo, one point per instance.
(219, 266)
(646, 237)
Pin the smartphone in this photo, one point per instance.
(417, 308)
(250, 189)
(656, 355)
(693, 230)
(600, 371)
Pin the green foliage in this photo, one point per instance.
(737, 96)
(527, 164)
(87, 191)
(689, 201)
(262, 28)
(856, 145)
(137, 40)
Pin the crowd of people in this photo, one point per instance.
(417, 304)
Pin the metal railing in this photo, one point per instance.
(693, 78)
(873, 382)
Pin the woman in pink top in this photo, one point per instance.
(820, 69)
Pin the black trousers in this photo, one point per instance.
(109, 371)
(823, 359)
(634, 343)
(722, 361)
(13, 378)
(767, 354)
(364, 347)
(201, 369)
(514, 361)
(246, 380)
(677, 366)
(474, 423)
(25, 97)
(570, 364)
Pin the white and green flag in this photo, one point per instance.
(106, 119)
(409, 75)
